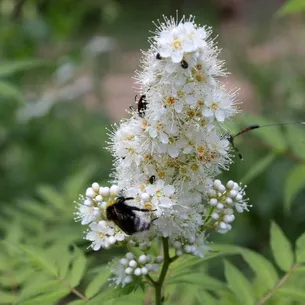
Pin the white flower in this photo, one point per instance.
(171, 44)
(161, 194)
(103, 235)
(87, 214)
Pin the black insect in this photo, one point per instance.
(184, 64)
(142, 105)
(158, 56)
(124, 216)
(152, 179)
(231, 138)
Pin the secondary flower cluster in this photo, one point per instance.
(131, 267)
(223, 200)
(169, 152)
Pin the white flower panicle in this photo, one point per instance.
(130, 267)
(169, 152)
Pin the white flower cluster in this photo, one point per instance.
(223, 200)
(92, 211)
(169, 152)
(131, 267)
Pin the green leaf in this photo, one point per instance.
(7, 298)
(78, 268)
(48, 298)
(10, 92)
(36, 208)
(294, 183)
(52, 196)
(97, 283)
(185, 263)
(281, 248)
(295, 136)
(300, 249)
(239, 284)
(292, 6)
(41, 259)
(205, 298)
(257, 168)
(263, 269)
(204, 281)
(9, 68)
(63, 260)
(292, 292)
(77, 183)
(77, 302)
(300, 269)
(38, 284)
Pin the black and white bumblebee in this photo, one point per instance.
(126, 217)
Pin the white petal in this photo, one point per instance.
(152, 132)
(163, 137)
(191, 100)
(207, 112)
(177, 56)
(220, 115)
(178, 107)
(165, 203)
(173, 151)
(168, 190)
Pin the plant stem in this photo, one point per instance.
(278, 285)
(167, 261)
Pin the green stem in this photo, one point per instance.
(167, 261)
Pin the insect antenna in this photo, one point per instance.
(231, 138)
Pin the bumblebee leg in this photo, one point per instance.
(138, 209)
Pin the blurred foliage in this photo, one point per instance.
(51, 147)
(292, 6)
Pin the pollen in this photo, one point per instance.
(214, 106)
(194, 167)
(161, 174)
(177, 44)
(191, 113)
(180, 94)
(203, 123)
(158, 193)
(148, 157)
(200, 103)
(199, 67)
(148, 206)
(129, 138)
(159, 125)
(142, 187)
(144, 124)
(201, 150)
(183, 170)
(213, 155)
(170, 100)
(199, 75)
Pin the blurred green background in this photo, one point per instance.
(65, 76)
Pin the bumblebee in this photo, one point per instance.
(124, 216)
